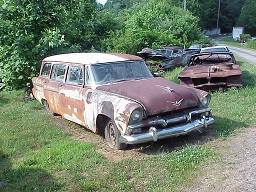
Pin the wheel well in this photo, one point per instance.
(101, 123)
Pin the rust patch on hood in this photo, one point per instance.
(156, 95)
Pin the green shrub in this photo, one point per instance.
(155, 25)
(251, 44)
(245, 37)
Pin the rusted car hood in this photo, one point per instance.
(157, 95)
(220, 70)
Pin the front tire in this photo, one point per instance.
(112, 136)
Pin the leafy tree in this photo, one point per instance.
(21, 27)
(247, 18)
(31, 30)
(156, 24)
(229, 13)
(235, 7)
(116, 6)
(206, 10)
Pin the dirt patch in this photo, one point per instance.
(236, 169)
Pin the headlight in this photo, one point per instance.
(136, 116)
(205, 101)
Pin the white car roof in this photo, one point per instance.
(90, 58)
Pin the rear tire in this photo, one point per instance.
(112, 136)
(47, 109)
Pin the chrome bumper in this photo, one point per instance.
(155, 134)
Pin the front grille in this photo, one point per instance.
(213, 80)
(199, 81)
(218, 80)
(172, 118)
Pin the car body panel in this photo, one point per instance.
(194, 48)
(157, 95)
(170, 57)
(212, 71)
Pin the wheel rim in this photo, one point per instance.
(112, 134)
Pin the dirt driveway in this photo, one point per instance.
(236, 169)
(247, 55)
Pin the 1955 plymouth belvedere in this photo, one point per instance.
(116, 94)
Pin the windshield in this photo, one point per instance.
(214, 49)
(105, 73)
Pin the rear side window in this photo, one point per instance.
(46, 69)
(58, 72)
(75, 75)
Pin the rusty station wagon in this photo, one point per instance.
(212, 71)
(116, 94)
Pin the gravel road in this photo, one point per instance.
(246, 54)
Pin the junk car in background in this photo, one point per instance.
(167, 57)
(212, 71)
(115, 94)
(195, 48)
(164, 53)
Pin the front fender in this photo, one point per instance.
(110, 105)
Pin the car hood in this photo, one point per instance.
(222, 70)
(156, 95)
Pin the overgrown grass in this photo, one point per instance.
(238, 107)
(229, 41)
(36, 155)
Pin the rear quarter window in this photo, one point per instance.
(46, 69)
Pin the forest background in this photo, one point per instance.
(31, 30)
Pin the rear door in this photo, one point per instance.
(54, 85)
